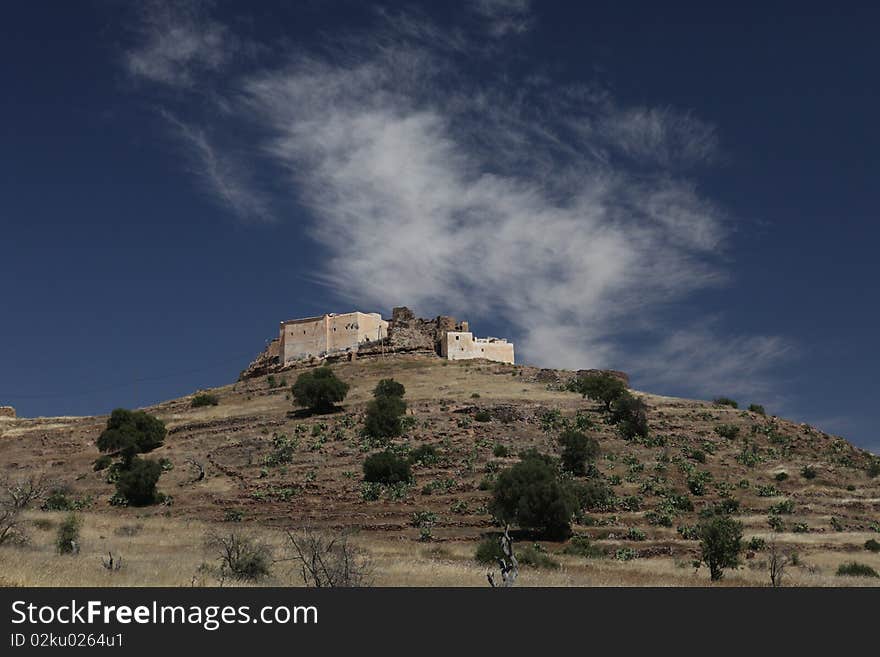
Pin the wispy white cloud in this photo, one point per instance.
(505, 16)
(556, 210)
(177, 43)
(223, 178)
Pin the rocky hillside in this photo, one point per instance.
(814, 487)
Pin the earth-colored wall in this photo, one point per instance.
(462, 345)
(316, 336)
(7, 411)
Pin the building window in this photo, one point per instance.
(456, 337)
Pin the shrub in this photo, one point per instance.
(873, 468)
(856, 569)
(697, 455)
(775, 523)
(241, 556)
(582, 547)
(386, 468)
(424, 455)
(204, 399)
(636, 534)
(784, 506)
(389, 388)
(720, 545)
(537, 557)
(768, 491)
(129, 433)
(757, 408)
(593, 495)
(489, 550)
(67, 540)
(102, 462)
(137, 484)
(500, 451)
(578, 450)
(808, 472)
(630, 414)
(483, 416)
(729, 431)
(383, 417)
(725, 401)
(602, 388)
(530, 494)
(756, 544)
(780, 476)
(319, 390)
(871, 545)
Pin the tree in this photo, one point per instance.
(383, 417)
(389, 388)
(129, 433)
(603, 388)
(386, 468)
(720, 544)
(137, 483)
(530, 494)
(319, 390)
(578, 449)
(630, 414)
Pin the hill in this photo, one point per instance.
(478, 416)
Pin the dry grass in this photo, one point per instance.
(160, 551)
(233, 438)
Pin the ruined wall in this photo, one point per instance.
(462, 345)
(316, 336)
(7, 411)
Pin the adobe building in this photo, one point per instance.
(462, 345)
(334, 336)
(328, 334)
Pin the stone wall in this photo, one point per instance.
(462, 345)
(314, 337)
(7, 411)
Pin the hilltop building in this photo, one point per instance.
(348, 335)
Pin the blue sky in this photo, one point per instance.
(684, 193)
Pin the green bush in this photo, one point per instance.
(389, 388)
(784, 506)
(102, 462)
(383, 418)
(578, 450)
(720, 544)
(386, 468)
(535, 556)
(530, 494)
(871, 545)
(780, 476)
(500, 451)
(204, 399)
(581, 546)
(489, 550)
(424, 455)
(68, 535)
(756, 544)
(129, 433)
(729, 431)
(630, 414)
(725, 401)
(757, 408)
(603, 388)
(856, 569)
(483, 416)
(873, 468)
(808, 472)
(319, 390)
(137, 483)
(593, 495)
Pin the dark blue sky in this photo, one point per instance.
(165, 196)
